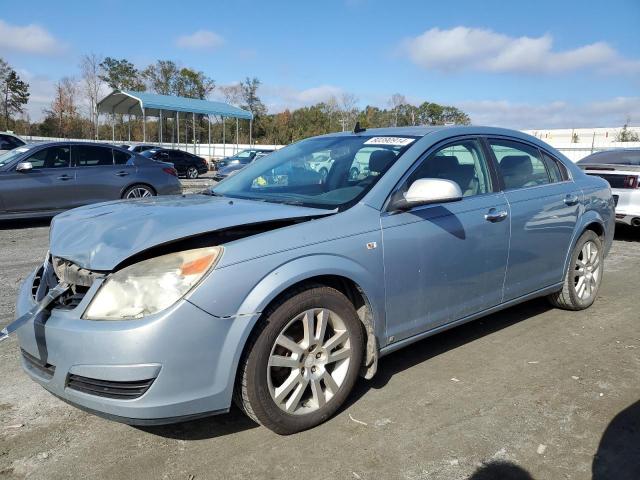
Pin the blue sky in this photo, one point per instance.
(519, 64)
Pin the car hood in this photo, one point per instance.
(101, 236)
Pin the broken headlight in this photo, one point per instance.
(152, 285)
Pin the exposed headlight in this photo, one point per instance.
(151, 285)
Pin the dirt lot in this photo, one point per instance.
(532, 389)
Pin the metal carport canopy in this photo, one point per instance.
(151, 104)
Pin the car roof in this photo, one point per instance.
(422, 130)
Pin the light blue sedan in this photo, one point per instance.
(279, 287)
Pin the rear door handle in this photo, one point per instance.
(64, 177)
(122, 173)
(571, 199)
(494, 216)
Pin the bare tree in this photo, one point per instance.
(63, 106)
(395, 102)
(92, 86)
(348, 110)
(232, 93)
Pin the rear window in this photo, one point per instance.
(613, 157)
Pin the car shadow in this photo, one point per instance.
(22, 223)
(618, 454)
(438, 344)
(205, 428)
(627, 233)
(500, 470)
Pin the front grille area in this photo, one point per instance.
(57, 270)
(109, 388)
(44, 369)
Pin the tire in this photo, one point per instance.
(314, 397)
(353, 173)
(579, 291)
(192, 173)
(139, 191)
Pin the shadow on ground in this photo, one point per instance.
(500, 470)
(20, 224)
(618, 454)
(627, 233)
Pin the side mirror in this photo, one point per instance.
(24, 167)
(428, 190)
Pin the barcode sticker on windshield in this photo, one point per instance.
(400, 141)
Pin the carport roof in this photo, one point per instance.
(139, 103)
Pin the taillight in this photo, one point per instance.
(170, 171)
(631, 182)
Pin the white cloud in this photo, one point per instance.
(28, 39)
(279, 98)
(201, 39)
(559, 114)
(464, 48)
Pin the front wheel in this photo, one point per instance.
(584, 275)
(302, 361)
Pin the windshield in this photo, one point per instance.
(613, 157)
(350, 166)
(9, 156)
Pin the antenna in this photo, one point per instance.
(358, 128)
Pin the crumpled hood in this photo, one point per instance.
(100, 236)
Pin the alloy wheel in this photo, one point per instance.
(192, 173)
(139, 192)
(587, 271)
(309, 361)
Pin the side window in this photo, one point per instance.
(520, 164)
(120, 158)
(52, 157)
(92, 156)
(462, 162)
(557, 171)
(8, 142)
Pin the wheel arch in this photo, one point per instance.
(344, 275)
(590, 220)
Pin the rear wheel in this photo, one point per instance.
(138, 191)
(584, 274)
(192, 173)
(302, 361)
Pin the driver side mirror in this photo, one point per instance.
(425, 191)
(24, 167)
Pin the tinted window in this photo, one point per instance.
(520, 164)
(52, 157)
(92, 156)
(613, 157)
(461, 162)
(120, 158)
(557, 171)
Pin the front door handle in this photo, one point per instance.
(494, 216)
(571, 199)
(64, 177)
(122, 173)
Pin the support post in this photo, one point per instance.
(178, 129)
(251, 131)
(224, 141)
(237, 133)
(209, 125)
(160, 131)
(144, 126)
(113, 126)
(129, 124)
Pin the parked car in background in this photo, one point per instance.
(187, 164)
(9, 141)
(232, 168)
(243, 157)
(621, 168)
(279, 295)
(41, 180)
(141, 148)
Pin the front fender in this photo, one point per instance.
(304, 268)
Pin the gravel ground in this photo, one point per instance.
(531, 389)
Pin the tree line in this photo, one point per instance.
(72, 112)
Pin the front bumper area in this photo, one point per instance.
(186, 356)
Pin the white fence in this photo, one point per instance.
(212, 151)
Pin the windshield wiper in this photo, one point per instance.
(211, 193)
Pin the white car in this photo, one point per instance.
(9, 141)
(621, 168)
